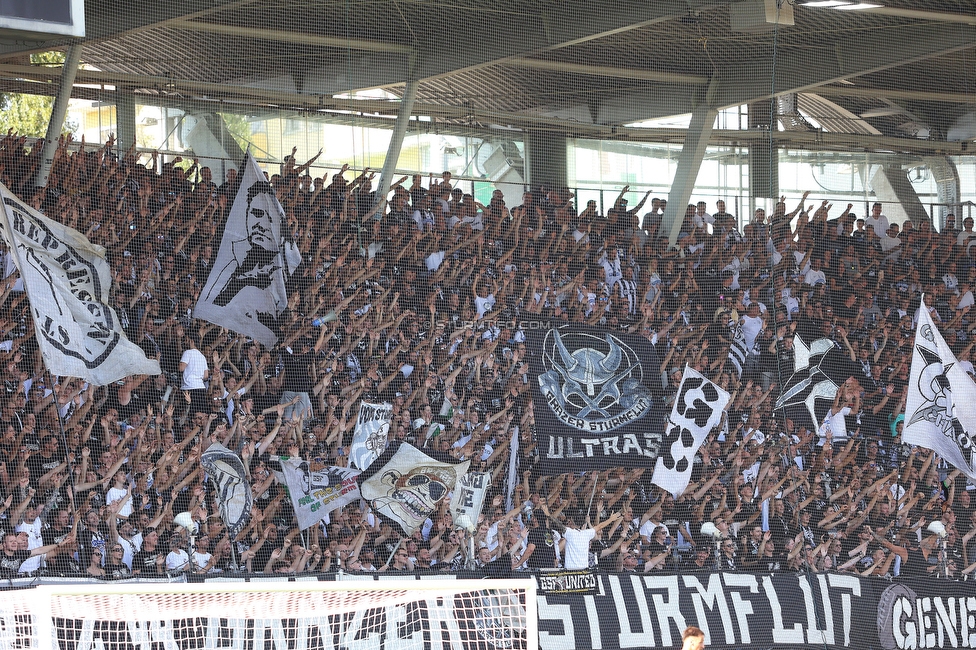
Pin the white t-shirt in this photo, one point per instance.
(484, 305)
(34, 540)
(177, 560)
(751, 326)
(115, 494)
(835, 426)
(578, 548)
(200, 560)
(880, 225)
(196, 369)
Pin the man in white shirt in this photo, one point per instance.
(963, 237)
(877, 221)
(576, 552)
(815, 275)
(178, 560)
(193, 365)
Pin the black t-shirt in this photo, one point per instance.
(544, 555)
(298, 374)
(54, 536)
(39, 465)
(119, 570)
(144, 562)
(10, 563)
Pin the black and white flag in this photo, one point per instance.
(406, 485)
(246, 288)
(67, 281)
(592, 397)
(317, 490)
(469, 497)
(738, 349)
(819, 370)
(234, 498)
(697, 410)
(371, 435)
(940, 410)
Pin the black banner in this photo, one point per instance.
(737, 610)
(566, 581)
(592, 397)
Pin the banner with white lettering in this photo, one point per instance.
(826, 611)
(316, 489)
(67, 280)
(591, 397)
(371, 435)
(697, 410)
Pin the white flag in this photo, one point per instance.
(469, 496)
(940, 409)
(317, 492)
(406, 485)
(697, 410)
(246, 288)
(371, 435)
(67, 281)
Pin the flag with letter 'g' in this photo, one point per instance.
(67, 281)
(697, 410)
(940, 409)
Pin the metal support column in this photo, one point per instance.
(689, 163)
(125, 120)
(396, 140)
(68, 73)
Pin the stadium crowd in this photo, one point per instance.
(418, 302)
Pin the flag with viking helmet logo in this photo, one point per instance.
(591, 397)
(406, 485)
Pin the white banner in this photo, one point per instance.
(940, 410)
(67, 281)
(317, 492)
(407, 485)
(469, 495)
(246, 288)
(697, 410)
(372, 433)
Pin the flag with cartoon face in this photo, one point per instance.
(406, 485)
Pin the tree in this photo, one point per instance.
(30, 114)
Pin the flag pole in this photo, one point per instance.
(64, 442)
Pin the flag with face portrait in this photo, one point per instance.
(940, 409)
(67, 281)
(372, 433)
(246, 288)
(234, 498)
(316, 489)
(406, 485)
(697, 410)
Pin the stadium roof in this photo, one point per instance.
(897, 73)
